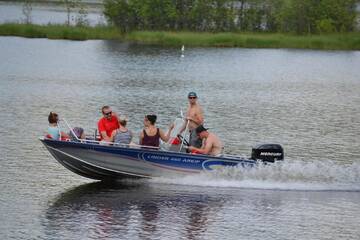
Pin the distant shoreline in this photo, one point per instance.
(338, 41)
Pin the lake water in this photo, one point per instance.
(307, 101)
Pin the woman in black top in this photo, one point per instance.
(151, 135)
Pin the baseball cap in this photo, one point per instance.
(192, 94)
(200, 129)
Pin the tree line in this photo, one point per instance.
(75, 11)
(295, 16)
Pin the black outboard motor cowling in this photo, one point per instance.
(267, 152)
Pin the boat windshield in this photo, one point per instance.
(174, 144)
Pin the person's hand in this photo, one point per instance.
(190, 148)
(113, 133)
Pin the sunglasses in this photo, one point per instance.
(108, 113)
(192, 97)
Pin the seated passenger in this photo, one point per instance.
(79, 133)
(107, 124)
(211, 143)
(151, 135)
(122, 135)
(53, 129)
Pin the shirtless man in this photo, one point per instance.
(212, 144)
(194, 117)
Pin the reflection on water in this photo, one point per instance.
(107, 209)
(308, 101)
(146, 211)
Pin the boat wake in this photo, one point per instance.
(294, 175)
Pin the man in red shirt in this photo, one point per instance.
(108, 123)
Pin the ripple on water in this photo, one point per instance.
(308, 101)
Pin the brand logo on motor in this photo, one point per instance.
(270, 154)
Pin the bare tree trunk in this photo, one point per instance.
(241, 15)
(69, 6)
(27, 9)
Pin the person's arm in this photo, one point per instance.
(104, 136)
(204, 150)
(131, 136)
(183, 127)
(64, 135)
(83, 135)
(186, 121)
(141, 137)
(112, 137)
(166, 137)
(131, 140)
(102, 132)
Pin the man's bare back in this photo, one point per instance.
(213, 143)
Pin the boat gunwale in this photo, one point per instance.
(140, 148)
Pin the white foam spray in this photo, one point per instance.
(287, 175)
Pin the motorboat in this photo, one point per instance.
(93, 159)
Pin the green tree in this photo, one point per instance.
(119, 13)
(337, 15)
(183, 13)
(271, 10)
(201, 16)
(223, 15)
(302, 17)
(253, 13)
(158, 14)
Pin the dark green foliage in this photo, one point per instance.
(297, 16)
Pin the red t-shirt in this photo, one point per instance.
(107, 125)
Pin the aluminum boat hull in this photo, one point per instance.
(106, 162)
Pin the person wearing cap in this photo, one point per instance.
(194, 117)
(108, 123)
(211, 143)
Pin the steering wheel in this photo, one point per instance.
(182, 139)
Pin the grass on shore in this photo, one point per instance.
(339, 41)
(59, 31)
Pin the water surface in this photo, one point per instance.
(307, 101)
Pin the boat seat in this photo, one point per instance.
(48, 136)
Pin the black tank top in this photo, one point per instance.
(153, 141)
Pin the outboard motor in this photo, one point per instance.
(267, 152)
